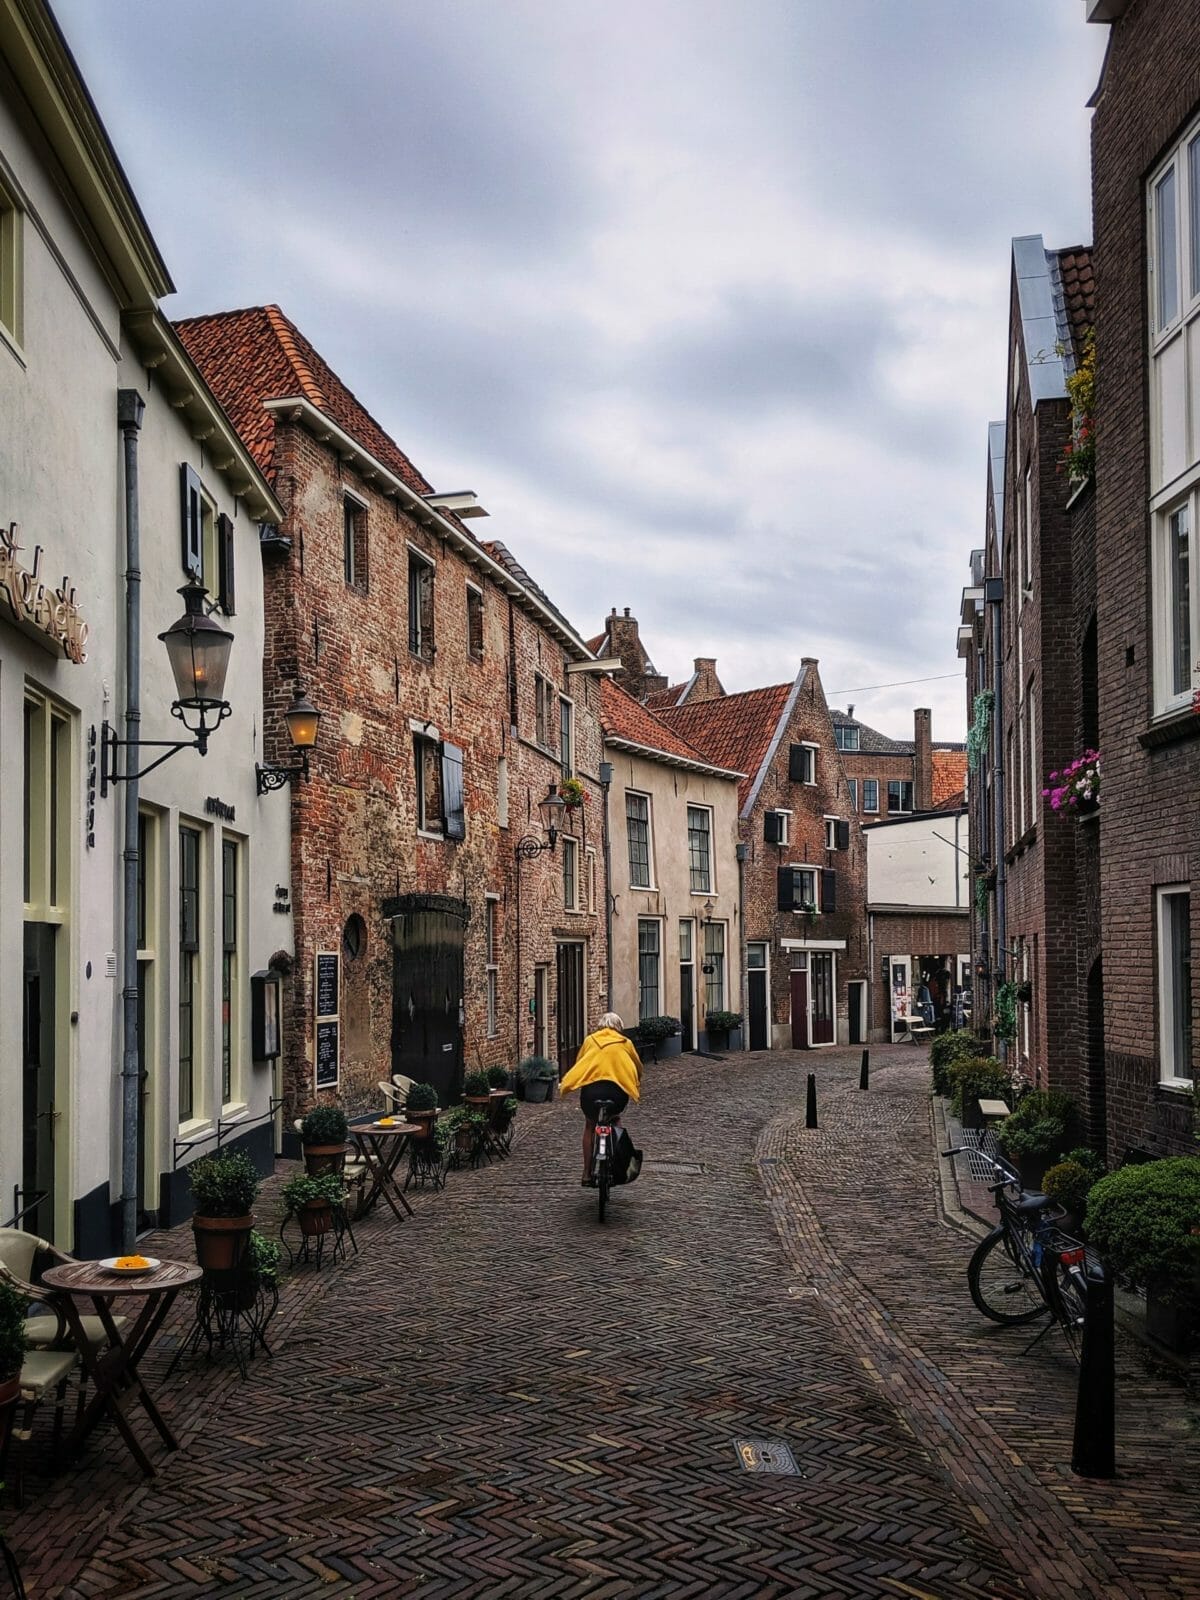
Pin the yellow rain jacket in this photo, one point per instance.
(606, 1054)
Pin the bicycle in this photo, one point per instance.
(1026, 1267)
(605, 1136)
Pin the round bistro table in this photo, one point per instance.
(113, 1369)
(381, 1150)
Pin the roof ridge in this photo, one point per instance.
(739, 694)
(289, 337)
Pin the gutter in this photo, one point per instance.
(631, 747)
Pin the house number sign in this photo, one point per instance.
(50, 615)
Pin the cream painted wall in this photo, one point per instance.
(671, 791)
(915, 863)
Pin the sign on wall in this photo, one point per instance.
(51, 616)
(327, 1007)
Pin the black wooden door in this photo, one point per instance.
(687, 1004)
(427, 994)
(756, 990)
(570, 1004)
(38, 1113)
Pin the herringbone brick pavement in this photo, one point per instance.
(501, 1397)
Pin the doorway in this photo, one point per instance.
(824, 996)
(427, 993)
(757, 991)
(687, 984)
(856, 1002)
(799, 986)
(38, 1112)
(571, 1008)
(541, 987)
(899, 970)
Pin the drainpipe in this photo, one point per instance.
(606, 777)
(130, 410)
(743, 985)
(993, 594)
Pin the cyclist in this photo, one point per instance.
(607, 1070)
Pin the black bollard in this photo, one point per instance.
(1094, 1452)
(864, 1076)
(810, 1116)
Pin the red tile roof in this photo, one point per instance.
(623, 717)
(251, 356)
(594, 644)
(734, 732)
(661, 699)
(949, 774)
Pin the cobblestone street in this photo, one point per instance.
(502, 1397)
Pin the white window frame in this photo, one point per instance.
(421, 644)
(490, 928)
(810, 762)
(640, 794)
(901, 810)
(841, 737)
(831, 831)
(1167, 997)
(1167, 699)
(870, 811)
(12, 269)
(589, 859)
(711, 886)
(801, 899)
(544, 696)
(785, 826)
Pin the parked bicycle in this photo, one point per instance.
(1026, 1267)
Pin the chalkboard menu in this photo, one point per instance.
(327, 983)
(327, 1055)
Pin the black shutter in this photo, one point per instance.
(796, 763)
(786, 880)
(828, 889)
(771, 828)
(841, 835)
(225, 593)
(192, 523)
(453, 812)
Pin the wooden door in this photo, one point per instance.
(38, 1112)
(756, 994)
(570, 1004)
(427, 993)
(687, 1004)
(799, 1010)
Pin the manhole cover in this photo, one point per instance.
(674, 1169)
(766, 1455)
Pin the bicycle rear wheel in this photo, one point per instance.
(1072, 1306)
(1002, 1287)
(602, 1183)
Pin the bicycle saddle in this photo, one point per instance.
(1030, 1204)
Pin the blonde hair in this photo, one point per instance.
(610, 1019)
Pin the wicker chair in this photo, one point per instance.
(47, 1328)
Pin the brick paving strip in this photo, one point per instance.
(501, 1397)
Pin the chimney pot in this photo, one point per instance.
(850, 711)
(626, 610)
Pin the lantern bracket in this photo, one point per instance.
(109, 743)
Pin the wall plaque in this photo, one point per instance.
(327, 983)
(327, 1054)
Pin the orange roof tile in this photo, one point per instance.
(949, 774)
(661, 699)
(623, 717)
(248, 357)
(734, 732)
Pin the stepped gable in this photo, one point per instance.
(256, 354)
(734, 732)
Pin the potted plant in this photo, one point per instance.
(1069, 1182)
(539, 1076)
(1145, 1222)
(972, 1079)
(719, 1025)
(464, 1129)
(653, 1031)
(477, 1090)
(323, 1137)
(572, 793)
(313, 1200)
(224, 1187)
(1042, 1128)
(499, 1078)
(1076, 789)
(264, 1256)
(421, 1107)
(946, 1051)
(13, 1306)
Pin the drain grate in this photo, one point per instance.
(766, 1455)
(978, 1145)
(674, 1169)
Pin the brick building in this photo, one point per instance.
(1034, 596)
(443, 675)
(1145, 163)
(804, 873)
(893, 777)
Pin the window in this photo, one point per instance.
(1166, 249)
(492, 960)
(189, 970)
(1176, 631)
(852, 788)
(543, 711)
(11, 267)
(570, 869)
(354, 543)
(837, 834)
(777, 827)
(428, 766)
(870, 794)
(229, 965)
(1175, 983)
(713, 966)
(699, 824)
(1035, 787)
(46, 800)
(454, 816)
(637, 826)
(206, 540)
(802, 763)
(474, 622)
(649, 1004)
(685, 940)
(900, 794)
(566, 736)
(806, 888)
(502, 792)
(847, 736)
(420, 606)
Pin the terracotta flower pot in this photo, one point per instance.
(221, 1241)
(315, 1217)
(322, 1158)
(424, 1120)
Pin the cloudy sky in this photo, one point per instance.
(706, 299)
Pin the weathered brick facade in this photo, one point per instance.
(1150, 820)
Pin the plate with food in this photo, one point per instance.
(386, 1122)
(130, 1266)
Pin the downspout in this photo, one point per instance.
(517, 985)
(743, 984)
(130, 409)
(994, 596)
(606, 777)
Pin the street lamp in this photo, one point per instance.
(303, 722)
(198, 651)
(551, 811)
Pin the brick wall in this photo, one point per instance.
(1150, 823)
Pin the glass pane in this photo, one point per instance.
(648, 1002)
(685, 941)
(1194, 211)
(698, 850)
(1179, 935)
(637, 823)
(1166, 246)
(1180, 613)
(756, 956)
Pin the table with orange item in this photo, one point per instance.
(113, 1368)
(371, 1139)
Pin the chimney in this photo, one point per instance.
(705, 683)
(637, 675)
(922, 759)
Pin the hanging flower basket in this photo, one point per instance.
(1076, 789)
(572, 793)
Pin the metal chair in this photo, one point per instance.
(41, 1372)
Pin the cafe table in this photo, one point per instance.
(382, 1146)
(114, 1369)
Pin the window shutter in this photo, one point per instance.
(192, 523)
(796, 763)
(225, 563)
(828, 889)
(786, 880)
(771, 827)
(453, 812)
(841, 834)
